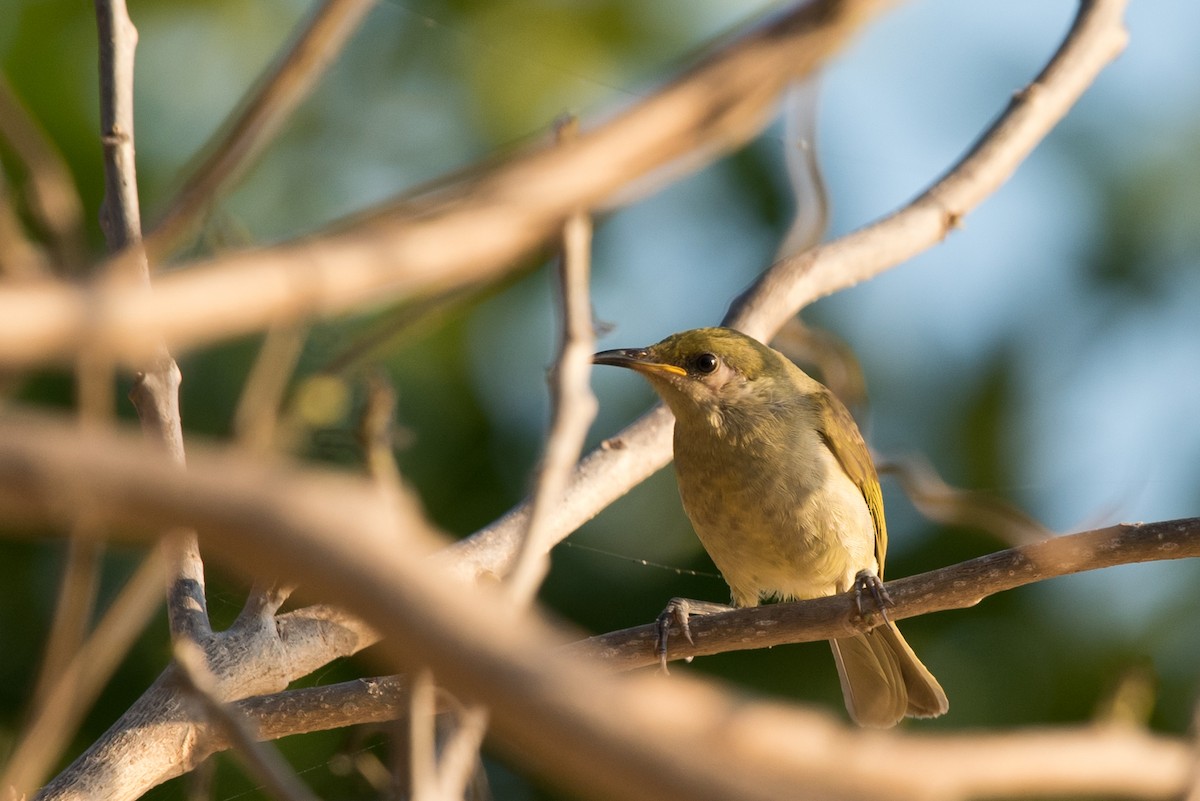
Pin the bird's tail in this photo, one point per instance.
(883, 681)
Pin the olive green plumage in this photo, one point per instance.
(781, 490)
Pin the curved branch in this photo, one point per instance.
(604, 735)
(259, 118)
(1096, 38)
(643, 447)
(53, 199)
(471, 231)
(953, 587)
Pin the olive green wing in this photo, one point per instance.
(841, 434)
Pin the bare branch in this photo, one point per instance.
(158, 738)
(120, 216)
(20, 257)
(572, 404)
(1097, 36)
(53, 199)
(942, 503)
(260, 117)
(470, 232)
(155, 393)
(76, 688)
(73, 607)
(643, 447)
(330, 706)
(257, 416)
(955, 587)
(570, 720)
(264, 763)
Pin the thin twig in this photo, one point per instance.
(80, 682)
(951, 506)
(572, 404)
(259, 118)
(460, 758)
(376, 433)
(94, 380)
(20, 258)
(74, 605)
(94, 395)
(573, 407)
(155, 393)
(422, 740)
(257, 415)
(120, 216)
(254, 424)
(53, 198)
(1097, 36)
(263, 762)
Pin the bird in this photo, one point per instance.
(780, 488)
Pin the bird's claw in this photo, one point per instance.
(869, 584)
(678, 611)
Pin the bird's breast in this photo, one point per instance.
(777, 521)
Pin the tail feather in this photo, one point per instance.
(882, 679)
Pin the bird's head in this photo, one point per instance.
(710, 372)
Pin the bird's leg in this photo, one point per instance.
(678, 611)
(867, 583)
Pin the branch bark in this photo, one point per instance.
(953, 587)
(155, 393)
(160, 737)
(605, 736)
(264, 763)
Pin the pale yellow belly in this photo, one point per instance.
(774, 539)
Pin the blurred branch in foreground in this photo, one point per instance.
(472, 231)
(566, 717)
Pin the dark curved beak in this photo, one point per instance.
(635, 359)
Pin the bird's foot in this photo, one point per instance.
(866, 583)
(678, 612)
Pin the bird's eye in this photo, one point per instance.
(705, 363)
